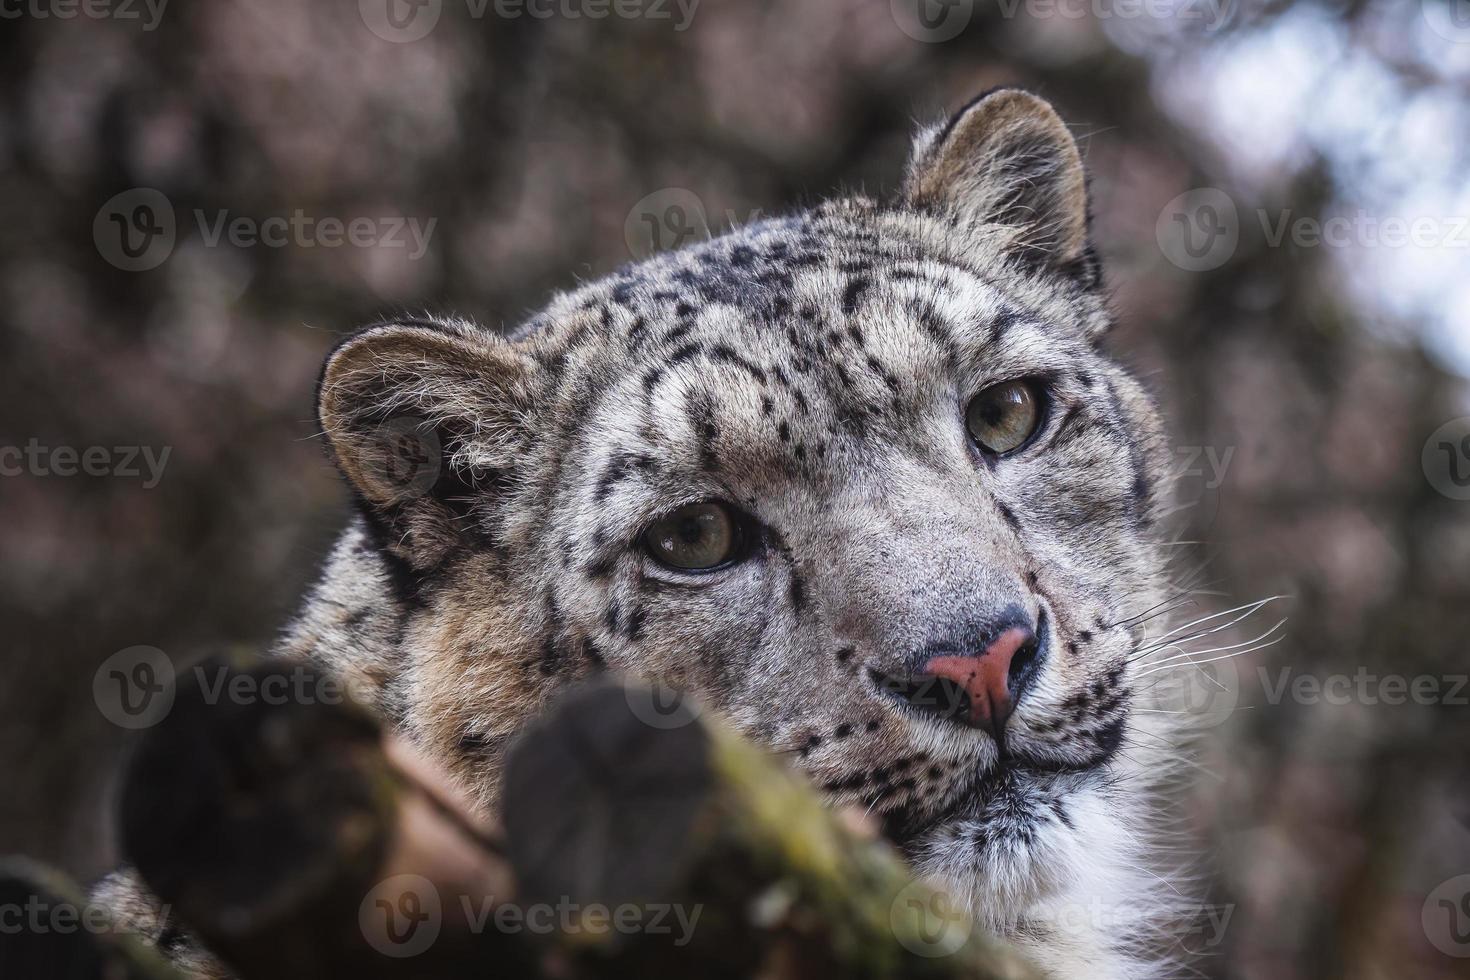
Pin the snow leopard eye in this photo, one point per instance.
(696, 538)
(1004, 417)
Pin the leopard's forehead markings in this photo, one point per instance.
(773, 348)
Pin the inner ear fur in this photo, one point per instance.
(423, 420)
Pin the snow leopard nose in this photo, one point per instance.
(977, 687)
(992, 680)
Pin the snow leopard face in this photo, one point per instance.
(861, 478)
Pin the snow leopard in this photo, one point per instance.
(863, 478)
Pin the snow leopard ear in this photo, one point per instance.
(423, 420)
(1007, 159)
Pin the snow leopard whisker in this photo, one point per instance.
(1227, 656)
(1173, 638)
(1189, 656)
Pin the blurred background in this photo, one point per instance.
(198, 198)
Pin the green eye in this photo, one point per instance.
(1004, 417)
(696, 538)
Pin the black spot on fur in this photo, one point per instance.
(549, 663)
(1009, 516)
(635, 623)
(474, 742)
(723, 352)
(613, 473)
(1007, 318)
(1110, 737)
(684, 353)
(678, 333)
(797, 592)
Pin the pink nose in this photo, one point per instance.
(989, 678)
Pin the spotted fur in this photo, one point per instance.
(812, 371)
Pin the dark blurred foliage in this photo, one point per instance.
(1324, 827)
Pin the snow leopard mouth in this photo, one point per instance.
(1005, 800)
